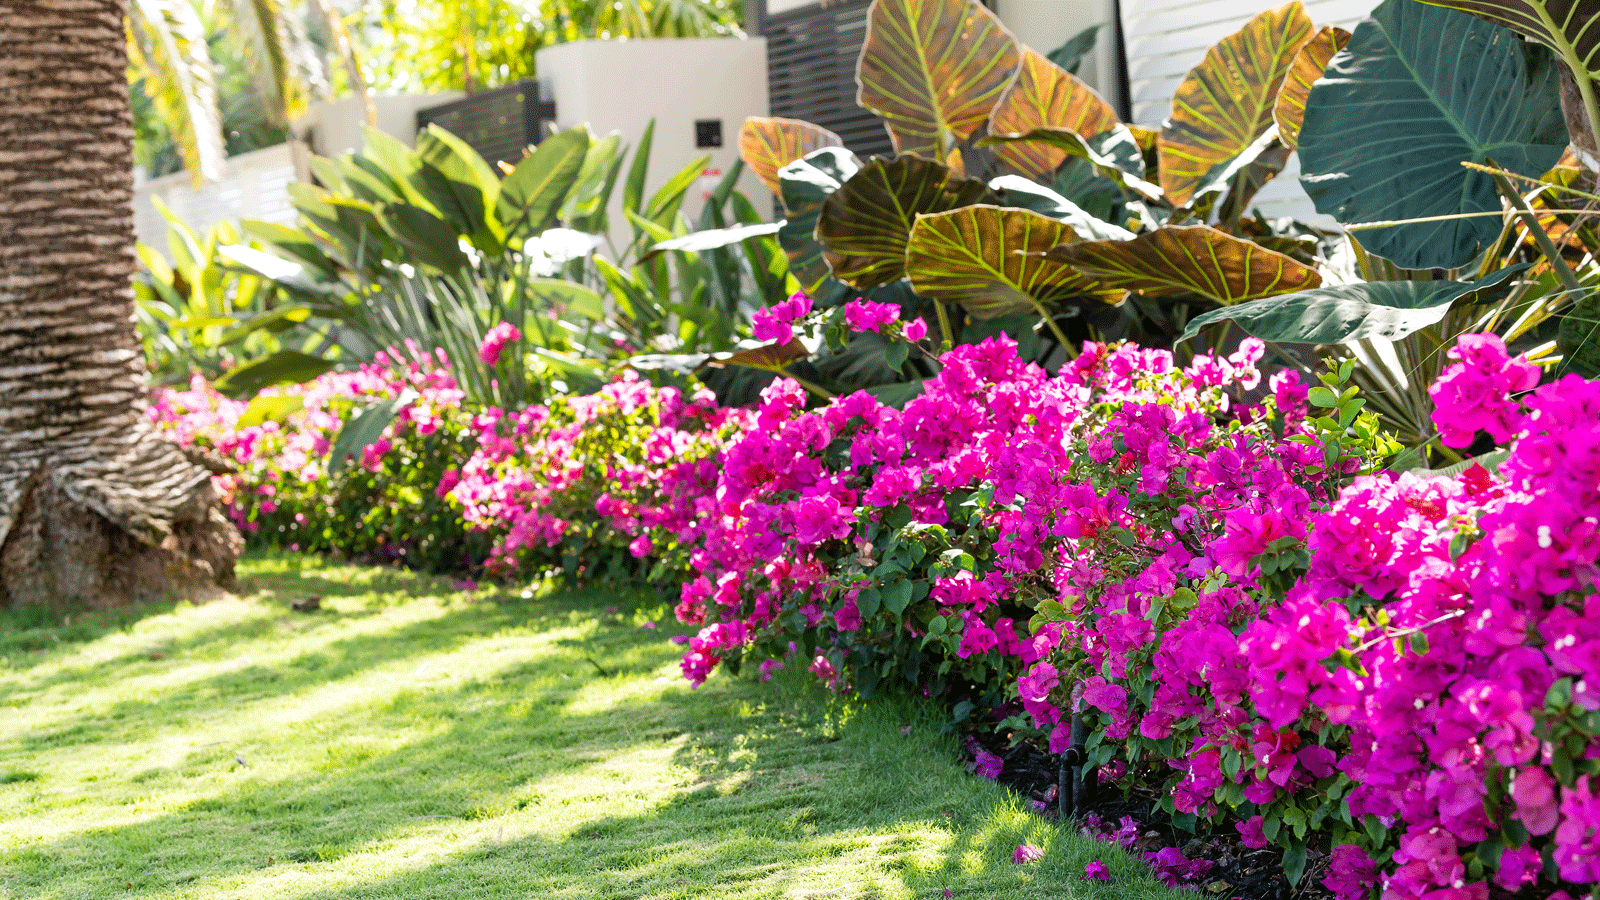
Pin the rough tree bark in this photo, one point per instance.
(94, 504)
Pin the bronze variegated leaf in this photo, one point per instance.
(1226, 102)
(932, 68)
(768, 144)
(1189, 259)
(1308, 66)
(1044, 95)
(990, 260)
(771, 357)
(866, 222)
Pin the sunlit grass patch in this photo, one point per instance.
(412, 740)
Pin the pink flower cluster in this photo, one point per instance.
(539, 476)
(775, 324)
(494, 343)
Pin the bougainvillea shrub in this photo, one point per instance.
(549, 482)
(1406, 676)
(915, 544)
(381, 505)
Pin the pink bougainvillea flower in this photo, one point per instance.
(1027, 853)
(1096, 870)
(916, 330)
(865, 315)
(495, 341)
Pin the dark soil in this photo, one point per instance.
(1236, 871)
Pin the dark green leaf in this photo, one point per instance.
(283, 367)
(535, 190)
(1417, 91)
(1348, 312)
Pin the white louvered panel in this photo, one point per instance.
(1164, 39)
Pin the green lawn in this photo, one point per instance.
(409, 740)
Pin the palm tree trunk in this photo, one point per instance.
(93, 504)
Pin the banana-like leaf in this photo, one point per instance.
(1014, 190)
(767, 145)
(1226, 102)
(1044, 95)
(429, 239)
(169, 50)
(283, 367)
(530, 196)
(1417, 91)
(712, 239)
(933, 70)
(990, 260)
(1349, 312)
(1189, 259)
(1308, 66)
(1115, 155)
(866, 223)
(1578, 339)
(1069, 56)
(460, 185)
(806, 183)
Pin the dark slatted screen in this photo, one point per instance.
(498, 123)
(811, 71)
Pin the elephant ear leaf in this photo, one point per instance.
(1418, 91)
(933, 70)
(806, 183)
(768, 357)
(767, 145)
(1308, 66)
(990, 260)
(1349, 312)
(1227, 101)
(866, 223)
(1189, 259)
(1566, 26)
(1045, 95)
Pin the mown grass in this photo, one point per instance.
(410, 740)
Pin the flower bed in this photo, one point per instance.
(1393, 670)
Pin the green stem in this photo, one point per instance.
(1049, 320)
(1565, 274)
(946, 339)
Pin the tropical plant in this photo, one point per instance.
(201, 315)
(1020, 203)
(1424, 144)
(440, 46)
(93, 503)
(173, 48)
(432, 247)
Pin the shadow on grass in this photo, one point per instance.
(784, 801)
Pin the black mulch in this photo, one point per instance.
(1236, 871)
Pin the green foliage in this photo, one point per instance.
(198, 314)
(433, 247)
(452, 45)
(1350, 312)
(1419, 90)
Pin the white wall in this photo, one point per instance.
(253, 185)
(622, 85)
(335, 127)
